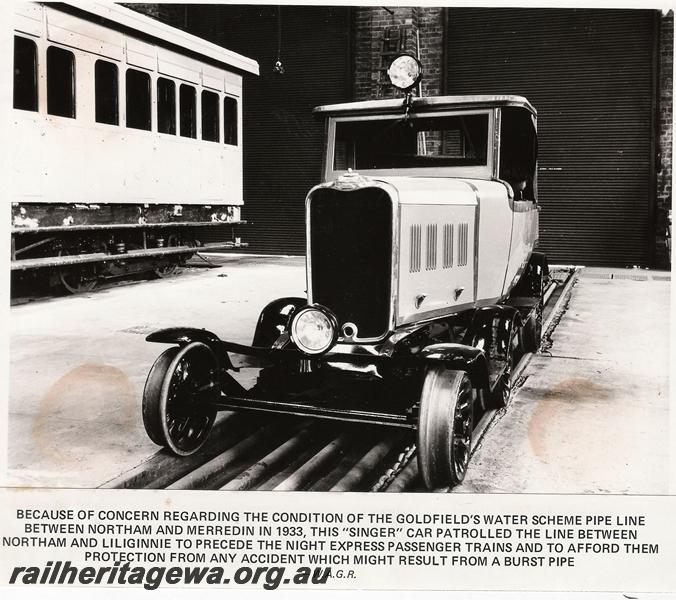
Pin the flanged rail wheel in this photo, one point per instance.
(499, 397)
(177, 412)
(168, 269)
(532, 329)
(77, 279)
(445, 426)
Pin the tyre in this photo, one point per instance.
(445, 426)
(177, 412)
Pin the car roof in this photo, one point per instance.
(433, 103)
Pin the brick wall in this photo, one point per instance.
(664, 172)
(372, 25)
(431, 24)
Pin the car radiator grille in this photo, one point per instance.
(351, 256)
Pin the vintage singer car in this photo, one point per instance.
(422, 284)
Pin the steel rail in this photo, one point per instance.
(257, 450)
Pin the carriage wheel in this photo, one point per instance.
(177, 412)
(445, 426)
(170, 269)
(77, 279)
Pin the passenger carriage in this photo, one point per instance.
(423, 287)
(126, 143)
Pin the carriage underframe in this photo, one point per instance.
(78, 257)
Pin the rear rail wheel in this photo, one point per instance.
(445, 426)
(502, 354)
(532, 285)
(177, 412)
(531, 333)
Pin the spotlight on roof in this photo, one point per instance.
(405, 72)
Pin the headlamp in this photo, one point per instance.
(314, 329)
(405, 72)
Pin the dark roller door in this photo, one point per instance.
(283, 141)
(590, 74)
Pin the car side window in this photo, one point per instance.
(25, 74)
(518, 152)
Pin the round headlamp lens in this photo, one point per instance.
(313, 331)
(404, 72)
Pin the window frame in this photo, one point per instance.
(217, 127)
(478, 172)
(194, 120)
(116, 96)
(73, 92)
(36, 74)
(173, 104)
(149, 75)
(235, 100)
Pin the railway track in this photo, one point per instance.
(283, 453)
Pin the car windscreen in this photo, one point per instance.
(413, 142)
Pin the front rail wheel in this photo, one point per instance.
(445, 426)
(177, 412)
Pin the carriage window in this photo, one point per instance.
(138, 99)
(60, 82)
(188, 111)
(105, 85)
(166, 106)
(25, 74)
(230, 121)
(210, 128)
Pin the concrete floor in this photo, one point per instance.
(593, 413)
(78, 364)
(592, 417)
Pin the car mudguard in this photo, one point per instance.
(274, 319)
(183, 336)
(461, 357)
